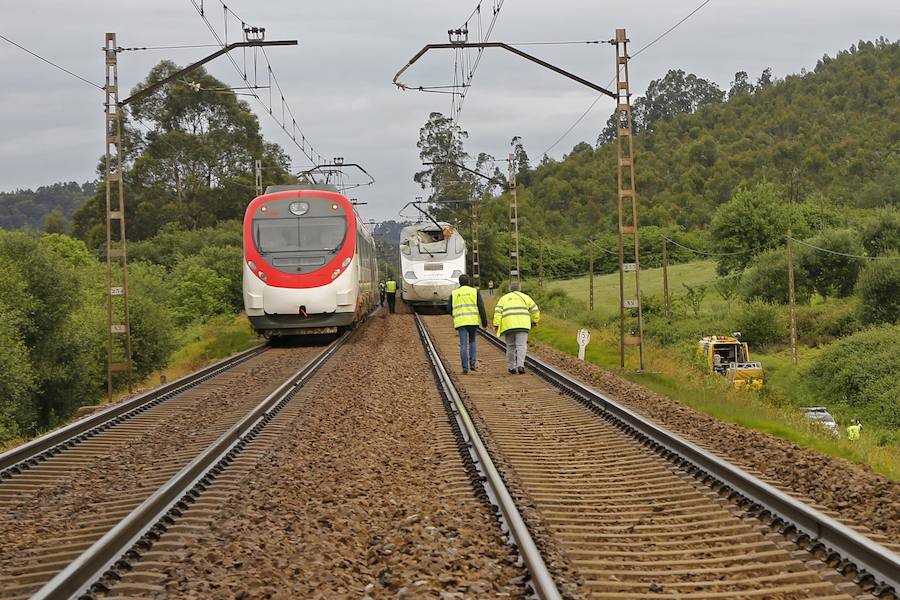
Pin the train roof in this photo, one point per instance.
(271, 189)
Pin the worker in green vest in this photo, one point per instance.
(514, 316)
(390, 290)
(854, 429)
(468, 312)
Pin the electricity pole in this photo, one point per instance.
(665, 269)
(791, 307)
(513, 226)
(591, 275)
(541, 262)
(628, 219)
(476, 263)
(258, 172)
(118, 334)
(118, 344)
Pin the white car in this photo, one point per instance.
(820, 415)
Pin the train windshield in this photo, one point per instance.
(300, 234)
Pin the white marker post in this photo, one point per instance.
(584, 337)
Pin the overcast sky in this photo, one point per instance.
(338, 79)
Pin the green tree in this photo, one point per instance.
(767, 280)
(754, 220)
(195, 164)
(879, 291)
(55, 222)
(761, 324)
(831, 271)
(441, 142)
(199, 293)
(881, 233)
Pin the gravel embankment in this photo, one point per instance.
(100, 485)
(365, 497)
(852, 492)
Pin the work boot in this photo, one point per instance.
(521, 370)
(512, 371)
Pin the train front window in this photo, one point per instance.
(300, 234)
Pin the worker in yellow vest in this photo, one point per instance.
(854, 429)
(468, 312)
(390, 290)
(514, 316)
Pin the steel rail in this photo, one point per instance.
(871, 561)
(541, 579)
(29, 454)
(159, 510)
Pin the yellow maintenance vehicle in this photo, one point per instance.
(729, 357)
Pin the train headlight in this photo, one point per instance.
(262, 275)
(335, 273)
(299, 208)
(409, 275)
(456, 274)
(345, 263)
(252, 265)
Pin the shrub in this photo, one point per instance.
(881, 234)
(823, 322)
(767, 281)
(761, 324)
(860, 372)
(879, 292)
(831, 274)
(198, 295)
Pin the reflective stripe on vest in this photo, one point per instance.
(390, 287)
(515, 311)
(465, 307)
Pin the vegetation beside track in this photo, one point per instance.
(673, 371)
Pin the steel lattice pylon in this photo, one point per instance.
(118, 347)
(628, 219)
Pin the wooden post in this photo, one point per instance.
(514, 273)
(541, 262)
(665, 269)
(791, 302)
(591, 275)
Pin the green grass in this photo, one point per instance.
(606, 287)
(200, 345)
(672, 372)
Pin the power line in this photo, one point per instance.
(594, 103)
(303, 145)
(704, 253)
(817, 248)
(51, 63)
(176, 47)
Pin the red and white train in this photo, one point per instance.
(309, 262)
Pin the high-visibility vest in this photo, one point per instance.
(853, 431)
(390, 287)
(465, 306)
(515, 310)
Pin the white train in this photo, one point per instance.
(432, 257)
(309, 262)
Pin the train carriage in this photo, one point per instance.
(432, 257)
(309, 262)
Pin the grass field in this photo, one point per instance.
(672, 374)
(606, 287)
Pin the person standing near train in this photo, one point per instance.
(514, 316)
(468, 312)
(390, 290)
(381, 291)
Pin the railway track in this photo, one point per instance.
(77, 501)
(638, 512)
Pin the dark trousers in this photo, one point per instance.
(392, 300)
(382, 298)
(468, 350)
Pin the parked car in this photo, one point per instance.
(820, 415)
